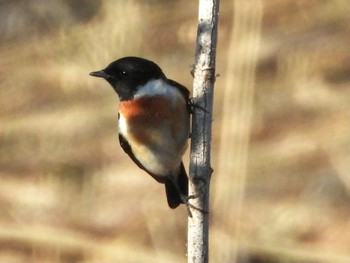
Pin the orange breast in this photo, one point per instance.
(155, 107)
(155, 120)
(157, 130)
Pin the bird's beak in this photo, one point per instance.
(99, 74)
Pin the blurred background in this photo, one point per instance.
(281, 132)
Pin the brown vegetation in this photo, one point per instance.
(68, 193)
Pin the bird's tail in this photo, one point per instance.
(176, 188)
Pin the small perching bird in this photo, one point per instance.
(154, 122)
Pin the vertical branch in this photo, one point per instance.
(200, 168)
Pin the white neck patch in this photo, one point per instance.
(156, 87)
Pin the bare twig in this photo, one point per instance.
(200, 168)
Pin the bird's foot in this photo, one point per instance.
(192, 105)
(185, 200)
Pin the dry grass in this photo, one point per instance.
(281, 138)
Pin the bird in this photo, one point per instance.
(154, 121)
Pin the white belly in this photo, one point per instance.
(162, 154)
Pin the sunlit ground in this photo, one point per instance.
(281, 132)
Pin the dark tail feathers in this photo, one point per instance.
(175, 192)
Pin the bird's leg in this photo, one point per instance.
(185, 199)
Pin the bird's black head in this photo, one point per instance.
(127, 74)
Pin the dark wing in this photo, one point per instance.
(127, 149)
(177, 190)
(184, 91)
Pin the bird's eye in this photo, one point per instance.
(124, 73)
